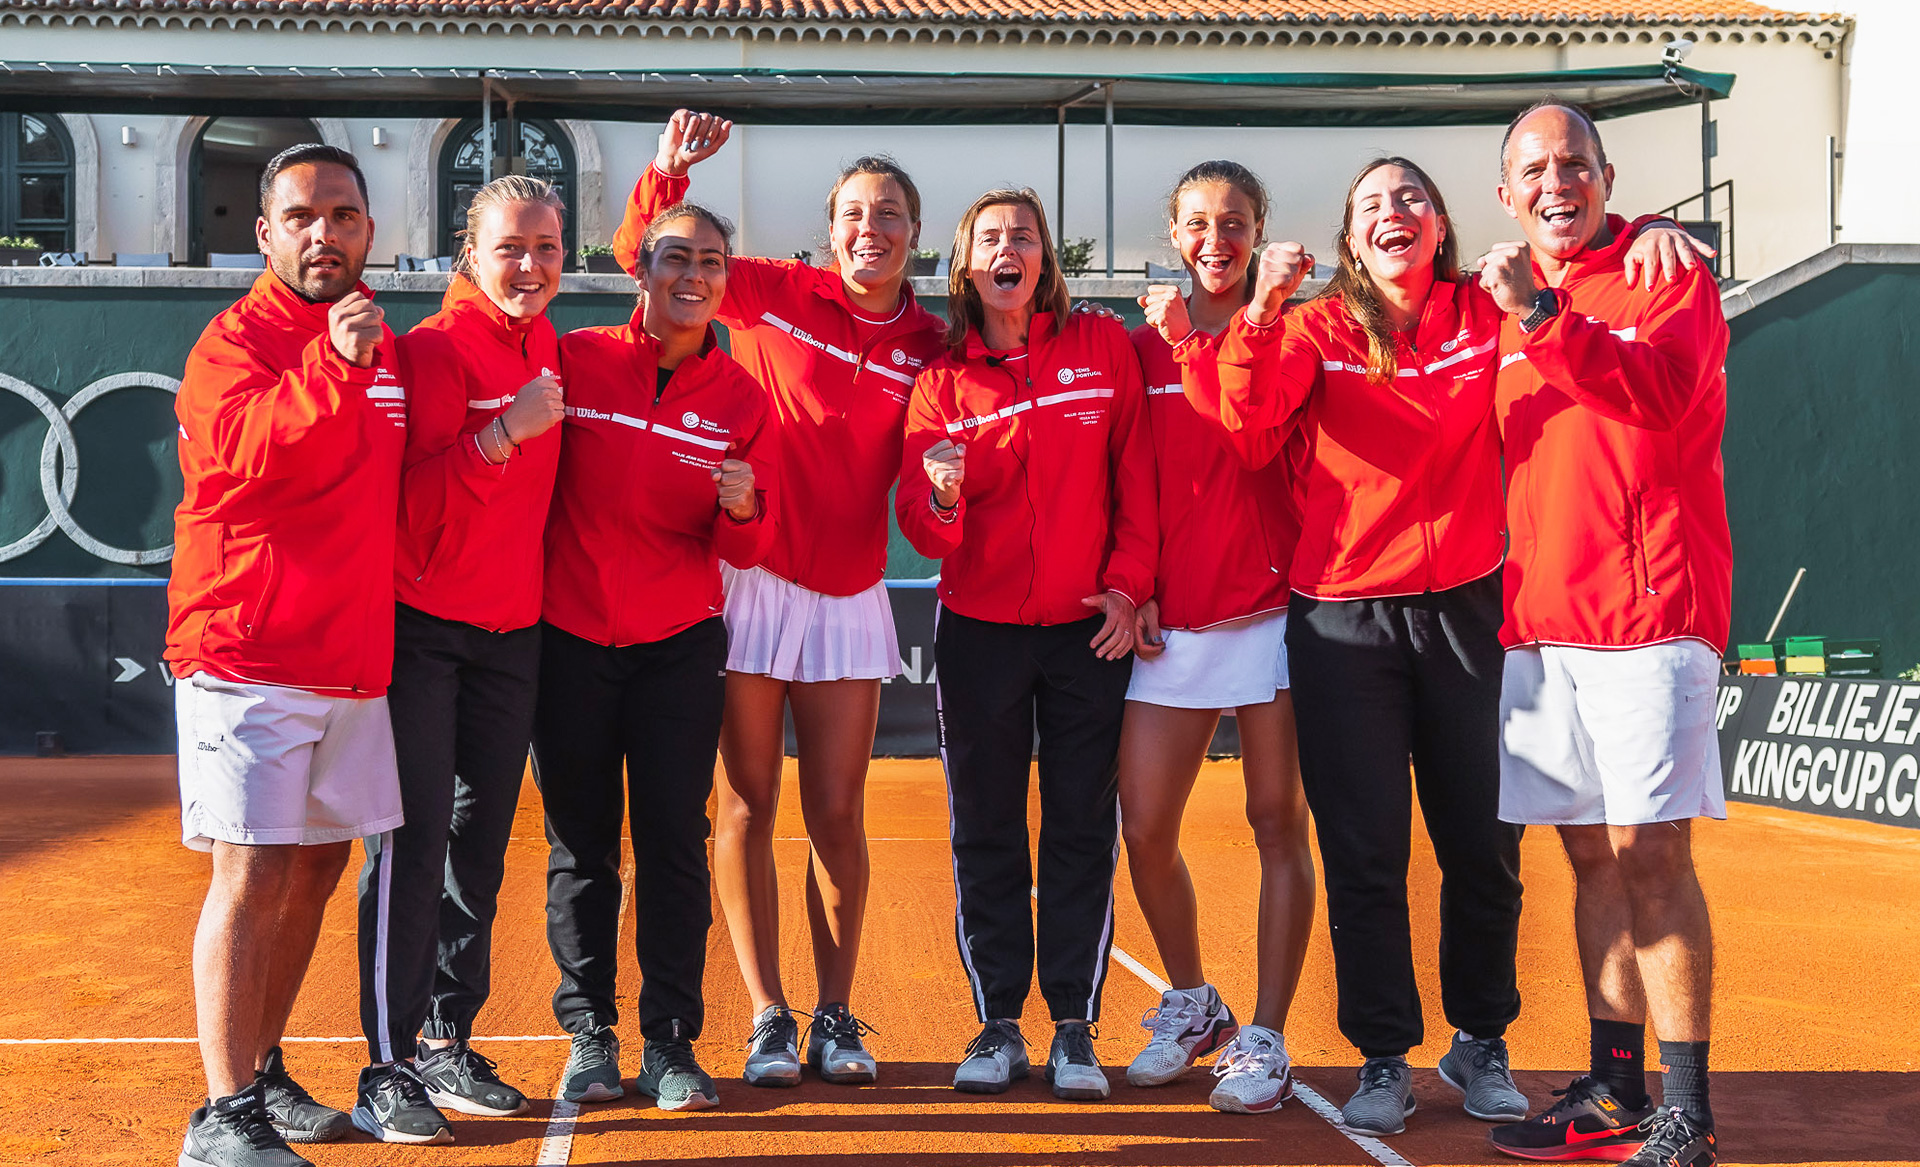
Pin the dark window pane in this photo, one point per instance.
(38, 142)
(541, 152)
(43, 196)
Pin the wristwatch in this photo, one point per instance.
(1545, 307)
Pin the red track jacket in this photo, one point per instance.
(636, 534)
(839, 381)
(1227, 533)
(1399, 489)
(1058, 500)
(1611, 415)
(470, 532)
(292, 464)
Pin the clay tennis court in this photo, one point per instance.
(1816, 1045)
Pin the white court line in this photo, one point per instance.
(1378, 1151)
(556, 1146)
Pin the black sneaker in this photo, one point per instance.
(292, 1110)
(673, 1078)
(1673, 1139)
(234, 1132)
(834, 1048)
(463, 1079)
(394, 1107)
(773, 1052)
(1072, 1068)
(593, 1067)
(1587, 1122)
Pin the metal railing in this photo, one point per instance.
(1715, 230)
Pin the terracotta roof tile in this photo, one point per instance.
(1304, 12)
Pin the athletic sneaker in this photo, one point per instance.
(773, 1052)
(834, 1048)
(394, 1108)
(1188, 1025)
(1255, 1073)
(461, 1078)
(1072, 1067)
(1587, 1122)
(1478, 1070)
(1384, 1100)
(1673, 1139)
(234, 1132)
(995, 1059)
(669, 1073)
(593, 1068)
(292, 1111)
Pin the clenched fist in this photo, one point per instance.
(1506, 271)
(353, 324)
(537, 408)
(946, 464)
(1167, 312)
(1283, 268)
(733, 482)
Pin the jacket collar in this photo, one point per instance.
(1040, 331)
(1602, 257)
(833, 286)
(646, 350)
(272, 294)
(465, 300)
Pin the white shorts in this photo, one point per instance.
(1243, 663)
(265, 764)
(1617, 736)
(779, 629)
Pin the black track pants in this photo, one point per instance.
(656, 708)
(1376, 682)
(996, 683)
(462, 703)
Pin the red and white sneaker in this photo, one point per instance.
(1188, 1025)
(1255, 1073)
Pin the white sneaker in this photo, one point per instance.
(1255, 1073)
(1188, 1025)
(994, 1060)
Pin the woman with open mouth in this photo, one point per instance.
(1212, 640)
(1028, 472)
(668, 469)
(1392, 631)
(482, 447)
(811, 627)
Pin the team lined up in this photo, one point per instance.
(634, 551)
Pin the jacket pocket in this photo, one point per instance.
(265, 582)
(1659, 546)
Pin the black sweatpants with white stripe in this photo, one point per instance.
(635, 727)
(997, 684)
(462, 702)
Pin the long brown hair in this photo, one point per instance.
(964, 311)
(1352, 284)
(502, 191)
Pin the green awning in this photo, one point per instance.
(827, 97)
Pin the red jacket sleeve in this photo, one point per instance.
(1199, 359)
(1651, 376)
(934, 534)
(1256, 384)
(444, 474)
(655, 192)
(1133, 558)
(260, 424)
(745, 544)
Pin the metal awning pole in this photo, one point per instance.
(1706, 156)
(1060, 182)
(486, 125)
(1109, 180)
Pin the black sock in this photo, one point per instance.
(1683, 1074)
(1619, 1052)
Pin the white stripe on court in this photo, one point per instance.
(556, 1146)
(1378, 1151)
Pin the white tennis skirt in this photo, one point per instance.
(1243, 663)
(779, 629)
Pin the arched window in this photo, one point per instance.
(229, 156)
(541, 151)
(36, 170)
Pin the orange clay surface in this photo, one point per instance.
(1817, 1024)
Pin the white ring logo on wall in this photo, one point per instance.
(60, 467)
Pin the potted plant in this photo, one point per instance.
(598, 258)
(19, 251)
(1076, 257)
(926, 261)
